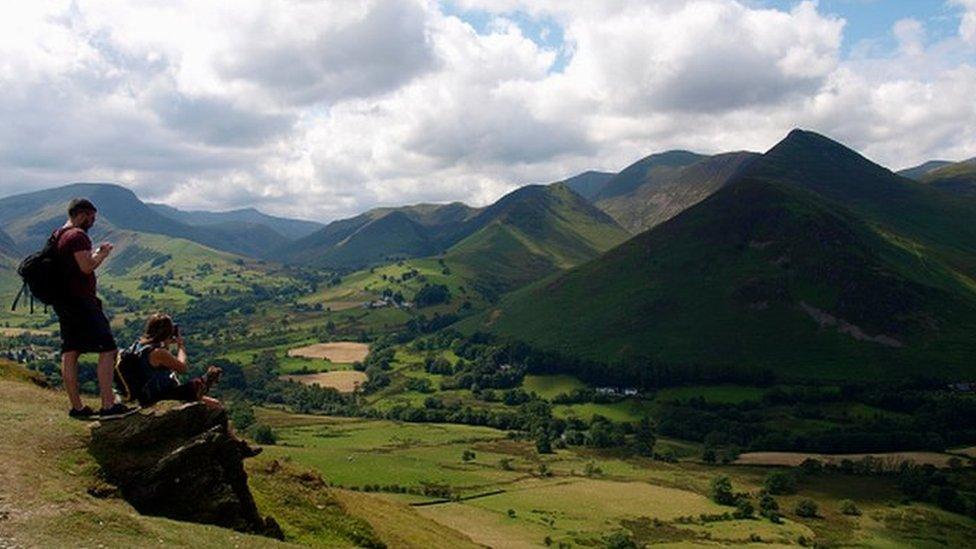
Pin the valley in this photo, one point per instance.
(532, 373)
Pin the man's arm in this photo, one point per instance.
(88, 261)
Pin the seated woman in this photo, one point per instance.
(158, 368)
(162, 383)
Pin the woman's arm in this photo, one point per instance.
(162, 358)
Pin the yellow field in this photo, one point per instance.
(399, 525)
(342, 305)
(485, 527)
(793, 459)
(344, 381)
(14, 332)
(343, 352)
(971, 452)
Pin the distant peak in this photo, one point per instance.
(805, 139)
(797, 134)
(97, 185)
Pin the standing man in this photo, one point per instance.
(84, 327)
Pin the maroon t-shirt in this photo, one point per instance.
(80, 285)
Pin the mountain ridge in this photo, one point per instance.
(589, 183)
(657, 165)
(30, 217)
(663, 196)
(425, 230)
(288, 228)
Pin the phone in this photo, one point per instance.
(176, 330)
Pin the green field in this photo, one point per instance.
(654, 502)
(726, 394)
(548, 386)
(627, 410)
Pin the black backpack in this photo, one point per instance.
(132, 370)
(43, 275)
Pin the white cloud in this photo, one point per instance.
(911, 36)
(325, 109)
(967, 26)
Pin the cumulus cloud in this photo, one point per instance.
(967, 26)
(323, 110)
(702, 55)
(308, 55)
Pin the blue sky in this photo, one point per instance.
(873, 19)
(867, 21)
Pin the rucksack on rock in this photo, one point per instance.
(132, 371)
(44, 277)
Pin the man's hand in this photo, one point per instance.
(104, 249)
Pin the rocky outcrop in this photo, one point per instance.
(180, 462)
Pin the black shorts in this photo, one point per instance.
(84, 327)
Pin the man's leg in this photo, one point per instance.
(106, 365)
(69, 375)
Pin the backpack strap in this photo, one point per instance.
(23, 287)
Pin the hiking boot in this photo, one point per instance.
(85, 412)
(116, 411)
(211, 378)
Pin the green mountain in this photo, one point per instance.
(661, 166)
(530, 233)
(8, 248)
(526, 234)
(918, 172)
(933, 224)
(958, 178)
(30, 218)
(290, 229)
(380, 235)
(769, 273)
(666, 192)
(10, 257)
(588, 184)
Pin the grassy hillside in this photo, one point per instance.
(50, 485)
(958, 178)
(662, 196)
(8, 248)
(531, 233)
(47, 473)
(936, 224)
(760, 275)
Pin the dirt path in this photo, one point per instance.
(343, 352)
